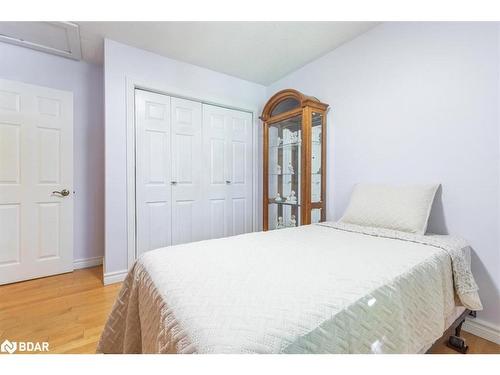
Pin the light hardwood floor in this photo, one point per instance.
(69, 311)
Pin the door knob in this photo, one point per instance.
(62, 193)
(228, 182)
(173, 182)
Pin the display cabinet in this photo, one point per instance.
(294, 160)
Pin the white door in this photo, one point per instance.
(187, 162)
(153, 171)
(239, 133)
(216, 171)
(36, 181)
(227, 149)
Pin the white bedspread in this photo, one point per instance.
(311, 289)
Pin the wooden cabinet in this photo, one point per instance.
(294, 160)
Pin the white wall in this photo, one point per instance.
(120, 62)
(85, 81)
(414, 103)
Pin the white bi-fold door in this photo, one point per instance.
(228, 182)
(193, 171)
(36, 181)
(187, 166)
(153, 173)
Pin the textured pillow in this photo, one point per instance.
(404, 208)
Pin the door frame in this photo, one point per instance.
(133, 83)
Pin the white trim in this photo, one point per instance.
(87, 262)
(131, 212)
(482, 329)
(114, 277)
(134, 83)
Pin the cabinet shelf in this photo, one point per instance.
(271, 201)
(298, 144)
(293, 174)
(286, 145)
(284, 227)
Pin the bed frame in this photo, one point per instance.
(452, 334)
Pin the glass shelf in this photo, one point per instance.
(298, 144)
(285, 226)
(287, 145)
(272, 201)
(293, 174)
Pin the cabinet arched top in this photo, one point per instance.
(289, 100)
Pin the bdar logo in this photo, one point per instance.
(8, 347)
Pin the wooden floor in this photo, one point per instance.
(69, 312)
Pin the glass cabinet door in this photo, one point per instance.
(284, 157)
(316, 153)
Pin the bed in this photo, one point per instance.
(321, 288)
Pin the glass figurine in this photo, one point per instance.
(292, 198)
(280, 224)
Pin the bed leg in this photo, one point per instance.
(456, 342)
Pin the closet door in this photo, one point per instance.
(239, 159)
(187, 196)
(216, 171)
(227, 149)
(153, 171)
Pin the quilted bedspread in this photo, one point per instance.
(327, 288)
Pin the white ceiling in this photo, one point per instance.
(261, 52)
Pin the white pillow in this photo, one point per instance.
(405, 208)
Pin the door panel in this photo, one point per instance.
(9, 234)
(238, 162)
(36, 160)
(187, 196)
(239, 216)
(240, 159)
(48, 230)
(158, 219)
(217, 212)
(49, 151)
(153, 171)
(184, 219)
(227, 142)
(217, 161)
(157, 146)
(215, 171)
(10, 153)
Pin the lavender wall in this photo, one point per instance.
(86, 82)
(413, 103)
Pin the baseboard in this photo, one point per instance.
(114, 277)
(482, 329)
(86, 263)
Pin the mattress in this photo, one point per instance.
(310, 289)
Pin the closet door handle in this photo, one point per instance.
(228, 182)
(173, 182)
